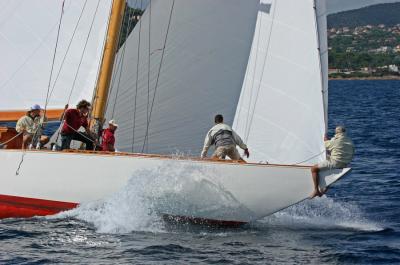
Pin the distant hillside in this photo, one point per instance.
(388, 14)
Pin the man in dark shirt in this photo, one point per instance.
(108, 139)
(74, 119)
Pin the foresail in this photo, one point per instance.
(28, 34)
(165, 99)
(281, 111)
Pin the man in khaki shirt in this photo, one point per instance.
(29, 126)
(341, 150)
(225, 141)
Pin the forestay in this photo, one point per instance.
(281, 108)
(165, 99)
(28, 34)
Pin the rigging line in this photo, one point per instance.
(122, 59)
(66, 52)
(137, 79)
(254, 76)
(40, 126)
(10, 140)
(83, 52)
(148, 65)
(158, 76)
(263, 69)
(54, 58)
(20, 162)
(320, 153)
(118, 61)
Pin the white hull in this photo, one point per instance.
(252, 191)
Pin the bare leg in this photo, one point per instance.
(26, 140)
(316, 192)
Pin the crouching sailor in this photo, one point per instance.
(30, 125)
(108, 138)
(225, 141)
(73, 120)
(341, 150)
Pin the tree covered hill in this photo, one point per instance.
(387, 14)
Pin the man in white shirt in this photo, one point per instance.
(30, 127)
(225, 140)
(341, 152)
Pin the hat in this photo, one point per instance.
(36, 107)
(340, 129)
(112, 122)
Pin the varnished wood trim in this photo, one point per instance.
(14, 115)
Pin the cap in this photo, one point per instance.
(36, 107)
(112, 122)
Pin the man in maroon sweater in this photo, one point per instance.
(74, 119)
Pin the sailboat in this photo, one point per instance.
(261, 63)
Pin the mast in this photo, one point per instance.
(103, 83)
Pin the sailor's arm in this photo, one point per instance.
(21, 125)
(238, 140)
(329, 144)
(207, 144)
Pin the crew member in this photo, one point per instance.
(341, 150)
(108, 138)
(30, 127)
(225, 140)
(74, 119)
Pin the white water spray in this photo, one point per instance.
(323, 213)
(183, 190)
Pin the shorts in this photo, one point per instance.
(229, 150)
(329, 164)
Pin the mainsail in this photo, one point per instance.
(164, 99)
(28, 35)
(257, 62)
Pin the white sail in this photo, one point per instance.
(281, 111)
(200, 73)
(28, 34)
(323, 50)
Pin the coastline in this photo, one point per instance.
(382, 78)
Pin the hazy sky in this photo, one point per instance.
(333, 5)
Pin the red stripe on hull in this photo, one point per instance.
(21, 207)
(201, 221)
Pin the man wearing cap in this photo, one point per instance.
(341, 150)
(30, 127)
(74, 119)
(108, 138)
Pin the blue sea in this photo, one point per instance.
(357, 222)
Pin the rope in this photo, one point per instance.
(254, 76)
(20, 163)
(247, 132)
(158, 76)
(148, 66)
(54, 58)
(137, 80)
(83, 135)
(117, 63)
(10, 140)
(66, 52)
(83, 52)
(121, 58)
(309, 158)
